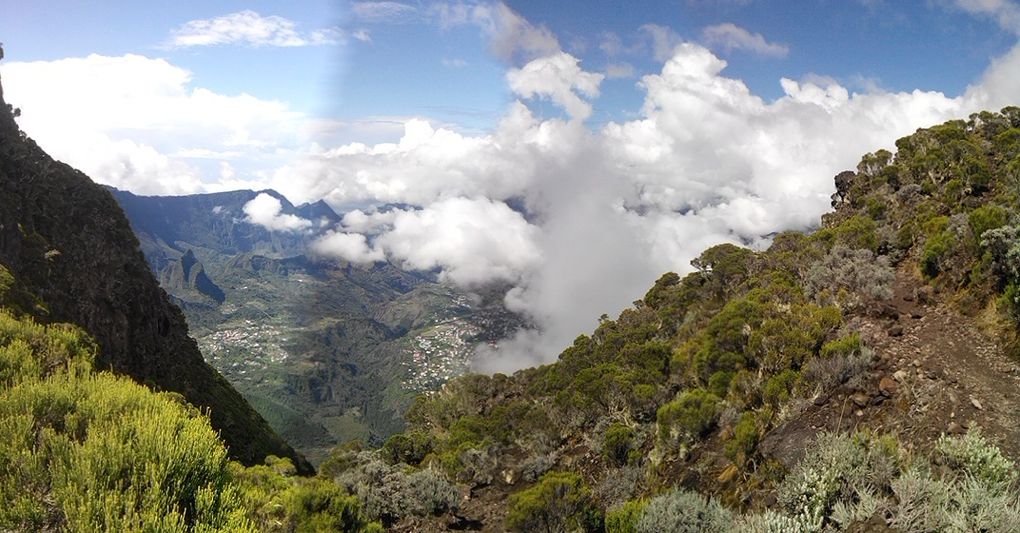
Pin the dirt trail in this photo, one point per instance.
(956, 375)
(936, 372)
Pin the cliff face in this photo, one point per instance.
(68, 240)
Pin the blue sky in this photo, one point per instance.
(634, 134)
(415, 67)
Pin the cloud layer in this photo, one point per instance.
(137, 123)
(605, 211)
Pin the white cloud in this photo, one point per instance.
(664, 40)
(473, 240)
(266, 211)
(362, 35)
(729, 37)
(385, 12)
(454, 63)
(138, 123)
(511, 36)
(1005, 12)
(558, 77)
(352, 247)
(249, 28)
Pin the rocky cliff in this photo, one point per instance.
(68, 240)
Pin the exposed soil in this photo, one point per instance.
(942, 374)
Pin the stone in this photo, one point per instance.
(900, 375)
(956, 429)
(860, 399)
(821, 400)
(728, 474)
(888, 386)
(976, 404)
(896, 331)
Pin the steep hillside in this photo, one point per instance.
(69, 243)
(856, 378)
(327, 351)
(84, 450)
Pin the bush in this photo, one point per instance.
(391, 492)
(850, 277)
(985, 218)
(744, 439)
(836, 468)
(560, 501)
(617, 442)
(625, 519)
(410, 447)
(680, 511)
(973, 456)
(690, 416)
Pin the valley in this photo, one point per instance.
(327, 351)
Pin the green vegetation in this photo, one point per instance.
(90, 451)
(558, 502)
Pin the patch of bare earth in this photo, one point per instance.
(936, 373)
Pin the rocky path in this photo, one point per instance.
(936, 372)
(949, 375)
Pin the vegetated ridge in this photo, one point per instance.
(66, 241)
(862, 377)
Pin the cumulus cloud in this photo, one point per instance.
(729, 37)
(604, 212)
(351, 247)
(138, 123)
(249, 28)
(266, 211)
(560, 78)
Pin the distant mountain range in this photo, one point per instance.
(326, 350)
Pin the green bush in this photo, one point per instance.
(625, 519)
(617, 443)
(410, 447)
(985, 218)
(690, 416)
(744, 440)
(560, 501)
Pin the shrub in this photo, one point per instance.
(836, 468)
(390, 492)
(973, 456)
(560, 501)
(680, 511)
(985, 218)
(690, 416)
(744, 439)
(625, 518)
(850, 276)
(410, 447)
(617, 442)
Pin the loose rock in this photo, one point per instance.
(888, 386)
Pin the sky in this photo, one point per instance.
(573, 151)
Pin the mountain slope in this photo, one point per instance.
(326, 350)
(822, 384)
(68, 241)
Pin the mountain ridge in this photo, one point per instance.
(69, 242)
